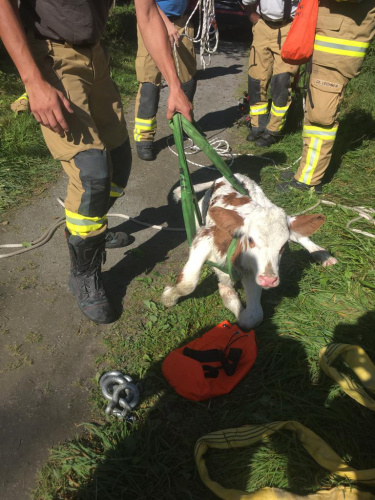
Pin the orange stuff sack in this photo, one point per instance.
(299, 44)
(213, 364)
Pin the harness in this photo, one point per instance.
(190, 208)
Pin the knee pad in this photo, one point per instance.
(253, 90)
(280, 89)
(149, 100)
(96, 183)
(189, 88)
(121, 158)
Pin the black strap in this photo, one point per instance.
(228, 363)
(287, 10)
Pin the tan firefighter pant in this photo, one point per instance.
(97, 129)
(265, 66)
(147, 100)
(343, 33)
(327, 89)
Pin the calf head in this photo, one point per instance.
(263, 233)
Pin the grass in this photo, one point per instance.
(26, 166)
(153, 456)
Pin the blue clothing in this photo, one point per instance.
(173, 7)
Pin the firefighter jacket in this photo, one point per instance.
(343, 33)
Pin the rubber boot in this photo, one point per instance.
(86, 256)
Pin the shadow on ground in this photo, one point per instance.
(155, 458)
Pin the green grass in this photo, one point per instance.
(153, 457)
(26, 166)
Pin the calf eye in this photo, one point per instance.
(251, 242)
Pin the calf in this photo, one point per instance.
(263, 230)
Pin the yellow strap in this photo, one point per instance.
(322, 453)
(357, 359)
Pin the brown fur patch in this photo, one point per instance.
(214, 200)
(203, 232)
(237, 254)
(306, 225)
(222, 240)
(269, 271)
(234, 200)
(218, 186)
(225, 219)
(179, 279)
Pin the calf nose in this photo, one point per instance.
(268, 281)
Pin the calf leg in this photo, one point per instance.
(228, 294)
(189, 276)
(252, 315)
(318, 253)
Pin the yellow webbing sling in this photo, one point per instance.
(323, 454)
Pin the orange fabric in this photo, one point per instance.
(299, 44)
(187, 375)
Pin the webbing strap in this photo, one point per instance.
(357, 359)
(322, 453)
(189, 202)
(228, 362)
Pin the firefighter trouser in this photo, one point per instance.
(265, 66)
(343, 33)
(95, 153)
(149, 76)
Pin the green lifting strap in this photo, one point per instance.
(189, 202)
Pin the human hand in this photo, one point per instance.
(47, 105)
(178, 103)
(173, 34)
(254, 18)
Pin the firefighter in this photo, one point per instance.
(66, 75)
(149, 75)
(343, 33)
(271, 21)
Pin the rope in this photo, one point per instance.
(364, 213)
(46, 236)
(221, 146)
(207, 30)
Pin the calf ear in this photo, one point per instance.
(227, 220)
(305, 225)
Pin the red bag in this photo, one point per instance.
(213, 364)
(299, 44)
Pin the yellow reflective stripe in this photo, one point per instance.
(313, 155)
(80, 224)
(137, 137)
(328, 134)
(340, 46)
(279, 110)
(116, 191)
(259, 110)
(145, 123)
(24, 96)
(341, 41)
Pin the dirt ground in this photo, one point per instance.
(47, 347)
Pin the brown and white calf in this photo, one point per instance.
(262, 229)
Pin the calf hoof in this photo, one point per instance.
(167, 297)
(324, 257)
(248, 321)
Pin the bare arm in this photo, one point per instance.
(46, 102)
(171, 28)
(250, 9)
(156, 40)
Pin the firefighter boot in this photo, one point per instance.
(85, 277)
